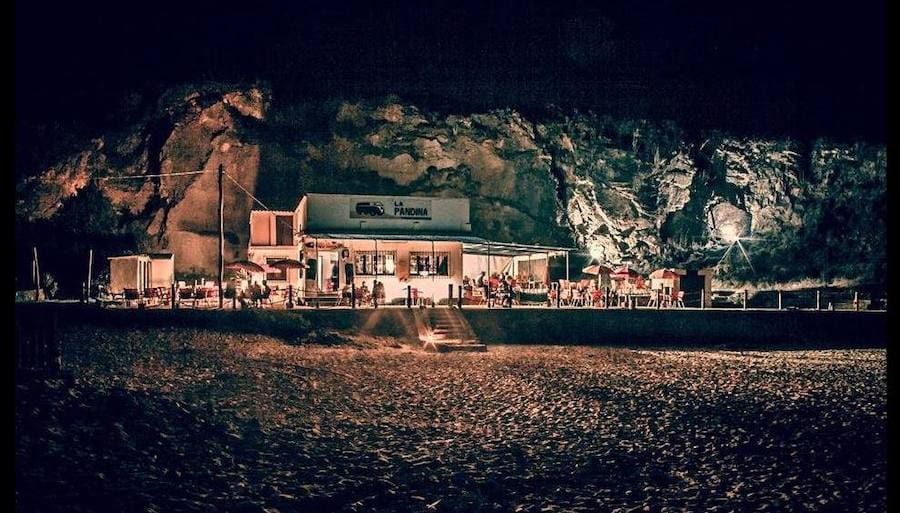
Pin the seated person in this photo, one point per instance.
(552, 294)
(362, 295)
(378, 292)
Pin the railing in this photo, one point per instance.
(457, 296)
(821, 299)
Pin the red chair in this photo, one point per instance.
(210, 295)
(597, 297)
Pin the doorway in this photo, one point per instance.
(328, 276)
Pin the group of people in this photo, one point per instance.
(363, 295)
(254, 294)
(502, 287)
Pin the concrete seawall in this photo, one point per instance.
(731, 328)
(656, 328)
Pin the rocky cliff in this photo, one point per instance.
(636, 191)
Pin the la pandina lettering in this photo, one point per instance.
(402, 211)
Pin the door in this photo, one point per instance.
(328, 275)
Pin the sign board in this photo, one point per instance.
(380, 207)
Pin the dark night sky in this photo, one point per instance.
(782, 68)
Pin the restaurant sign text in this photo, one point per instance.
(389, 208)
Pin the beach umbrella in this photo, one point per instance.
(596, 269)
(267, 268)
(663, 274)
(288, 263)
(624, 273)
(246, 266)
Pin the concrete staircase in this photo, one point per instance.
(445, 329)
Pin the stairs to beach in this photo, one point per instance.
(445, 329)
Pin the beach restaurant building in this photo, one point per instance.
(424, 243)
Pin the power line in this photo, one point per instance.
(144, 177)
(185, 173)
(263, 205)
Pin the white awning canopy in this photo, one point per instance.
(471, 245)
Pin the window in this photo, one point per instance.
(368, 265)
(284, 230)
(280, 275)
(428, 264)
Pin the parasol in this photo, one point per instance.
(624, 273)
(245, 265)
(288, 263)
(663, 274)
(596, 269)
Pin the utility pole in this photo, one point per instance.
(87, 293)
(37, 276)
(221, 234)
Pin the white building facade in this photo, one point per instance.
(403, 242)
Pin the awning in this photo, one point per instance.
(471, 245)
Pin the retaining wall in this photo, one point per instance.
(656, 328)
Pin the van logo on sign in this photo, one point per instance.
(369, 208)
(362, 207)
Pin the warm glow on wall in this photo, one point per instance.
(728, 233)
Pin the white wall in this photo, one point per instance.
(129, 272)
(162, 272)
(474, 264)
(395, 285)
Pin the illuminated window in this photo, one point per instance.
(429, 264)
(368, 265)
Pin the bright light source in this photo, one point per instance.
(729, 233)
(597, 252)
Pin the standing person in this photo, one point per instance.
(381, 295)
(480, 281)
(266, 292)
(348, 273)
(509, 291)
(347, 266)
(255, 293)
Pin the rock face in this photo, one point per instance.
(641, 192)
